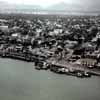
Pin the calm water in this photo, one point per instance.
(20, 81)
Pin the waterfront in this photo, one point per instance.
(20, 81)
(52, 42)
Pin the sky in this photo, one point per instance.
(46, 3)
(43, 3)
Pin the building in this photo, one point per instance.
(88, 62)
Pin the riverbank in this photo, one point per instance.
(59, 67)
(63, 67)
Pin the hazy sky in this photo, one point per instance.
(43, 3)
(46, 3)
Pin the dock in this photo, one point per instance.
(65, 64)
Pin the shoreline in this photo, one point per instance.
(55, 66)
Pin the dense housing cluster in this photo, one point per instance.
(72, 39)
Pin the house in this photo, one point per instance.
(4, 28)
(88, 62)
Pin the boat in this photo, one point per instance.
(80, 74)
(77, 73)
(41, 65)
(61, 70)
(87, 74)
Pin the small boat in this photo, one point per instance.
(80, 74)
(77, 73)
(45, 66)
(61, 70)
(41, 65)
(67, 71)
(87, 74)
